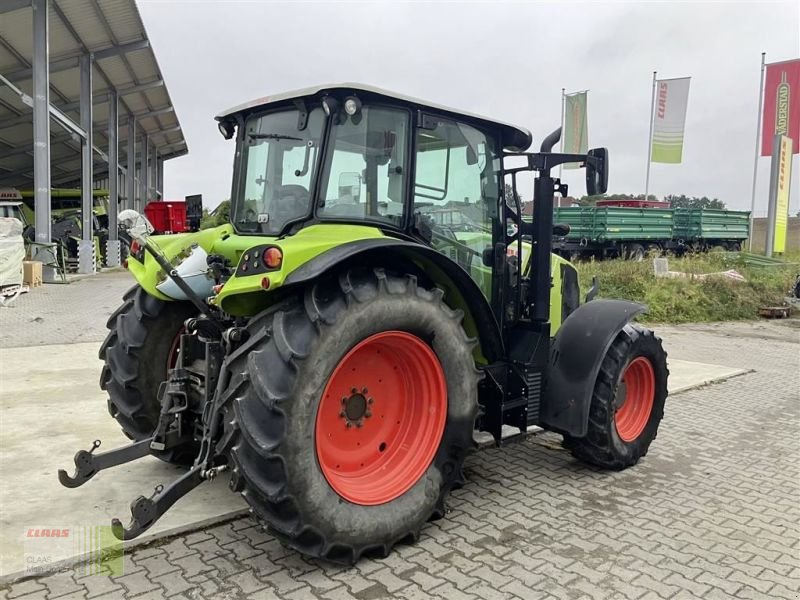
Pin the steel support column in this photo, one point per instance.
(41, 132)
(130, 166)
(86, 250)
(154, 160)
(145, 170)
(160, 176)
(112, 249)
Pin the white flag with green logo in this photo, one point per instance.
(576, 127)
(669, 119)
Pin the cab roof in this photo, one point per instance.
(514, 137)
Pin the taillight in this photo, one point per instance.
(135, 247)
(272, 257)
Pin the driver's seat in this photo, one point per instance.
(291, 202)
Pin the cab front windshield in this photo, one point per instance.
(279, 161)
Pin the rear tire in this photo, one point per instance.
(279, 420)
(137, 350)
(628, 402)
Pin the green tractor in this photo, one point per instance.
(333, 349)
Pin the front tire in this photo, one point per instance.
(352, 413)
(627, 403)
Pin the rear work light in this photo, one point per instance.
(273, 257)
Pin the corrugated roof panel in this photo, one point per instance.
(17, 133)
(61, 40)
(114, 69)
(8, 61)
(136, 102)
(158, 96)
(142, 64)
(124, 20)
(84, 20)
(17, 30)
(67, 82)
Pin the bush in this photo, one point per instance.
(693, 300)
(219, 216)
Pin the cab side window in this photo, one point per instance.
(456, 191)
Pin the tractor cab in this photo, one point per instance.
(401, 167)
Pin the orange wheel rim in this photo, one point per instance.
(633, 414)
(381, 418)
(175, 349)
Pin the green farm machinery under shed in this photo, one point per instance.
(627, 232)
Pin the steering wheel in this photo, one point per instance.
(446, 238)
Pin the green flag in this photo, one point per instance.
(576, 127)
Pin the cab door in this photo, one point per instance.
(456, 192)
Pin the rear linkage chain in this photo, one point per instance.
(171, 432)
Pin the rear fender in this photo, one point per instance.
(461, 291)
(575, 358)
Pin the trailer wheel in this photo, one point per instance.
(628, 401)
(653, 250)
(352, 412)
(141, 346)
(636, 252)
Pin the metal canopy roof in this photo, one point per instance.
(113, 33)
(518, 138)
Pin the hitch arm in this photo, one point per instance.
(146, 511)
(87, 464)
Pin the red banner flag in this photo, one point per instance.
(781, 104)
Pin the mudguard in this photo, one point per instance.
(461, 292)
(575, 358)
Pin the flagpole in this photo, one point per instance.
(755, 160)
(650, 137)
(561, 143)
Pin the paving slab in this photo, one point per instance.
(51, 406)
(688, 374)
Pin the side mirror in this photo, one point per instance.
(350, 187)
(561, 229)
(597, 171)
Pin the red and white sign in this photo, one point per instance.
(781, 105)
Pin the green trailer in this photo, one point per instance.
(711, 228)
(616, 231)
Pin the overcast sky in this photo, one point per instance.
(504, 60)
